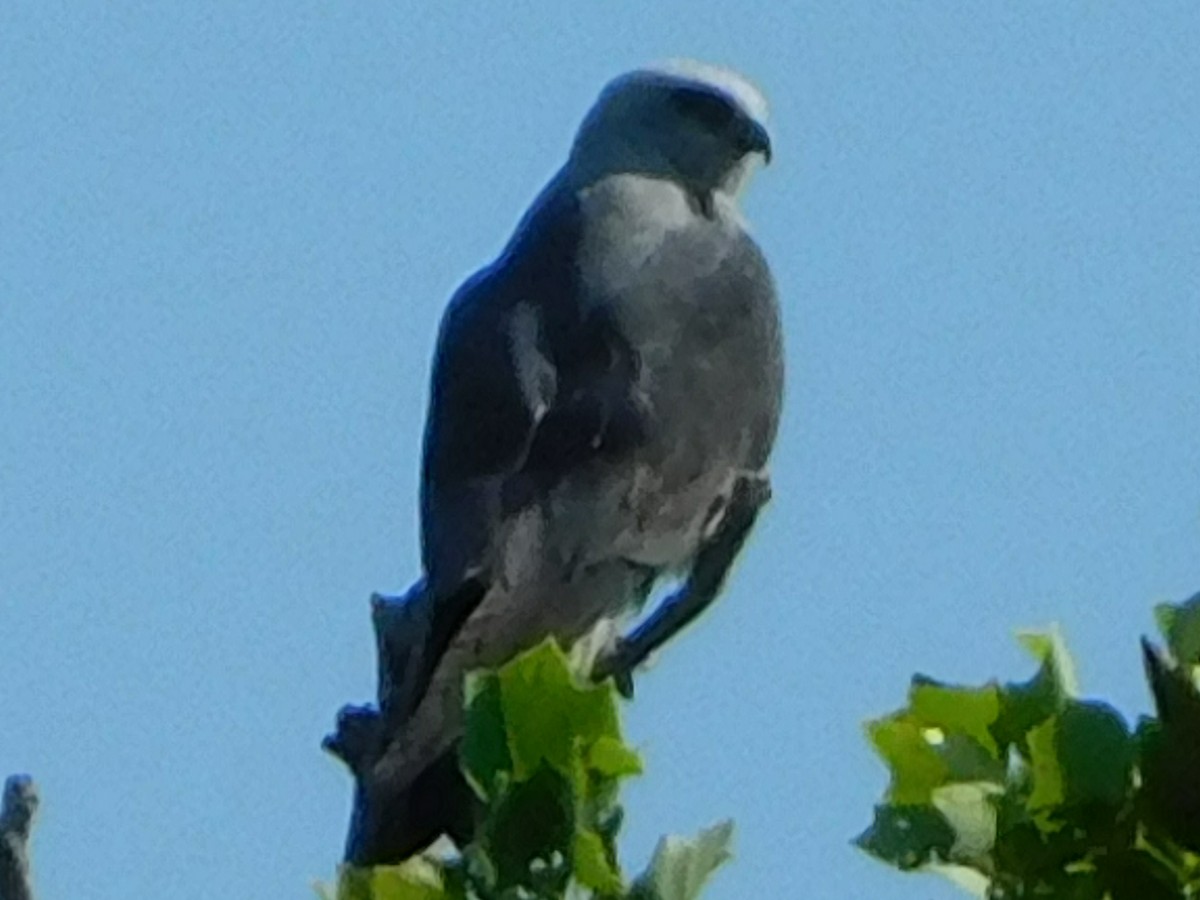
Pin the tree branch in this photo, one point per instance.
(16, 822)
(411, 634)
(396, 815)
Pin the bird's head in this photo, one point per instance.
(701, 125)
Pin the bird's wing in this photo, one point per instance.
(528, 382)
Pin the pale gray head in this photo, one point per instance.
(698, 124)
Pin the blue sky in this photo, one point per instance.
(227, 232)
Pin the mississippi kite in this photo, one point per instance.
(597, 393)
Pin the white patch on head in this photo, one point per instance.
(732, 83)
(636, 127)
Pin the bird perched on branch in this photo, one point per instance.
(598, 393)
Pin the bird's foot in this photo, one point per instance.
(618, 663)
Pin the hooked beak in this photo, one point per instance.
(754, 138)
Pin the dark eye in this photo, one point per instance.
(713, 111)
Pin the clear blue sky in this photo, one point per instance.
(227, 232)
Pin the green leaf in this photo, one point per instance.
(1082, 810)
(973, 882)
(611, 758)
(1030, 848)
(1135, 875)
(966, 760)
(943, 736)
(1045, 769)
(534, 819)
(1049, 649)
(1024, 705)
(483, 752)
(681, 866)
(908, 836)
(476, 869)
(549, 714)
(1180, 625)
(1061, 884)
(593, 867)
(1169, 798)
(354, 884)
(416, 879)
(957, 723)
(916, 767)
(957, 710)
(1084, 755)
(970, 811)
(1096, 751)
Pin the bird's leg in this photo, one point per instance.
(713, 562)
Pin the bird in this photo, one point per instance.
(597, 392)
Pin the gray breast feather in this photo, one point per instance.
(693, 299)
(615, 368)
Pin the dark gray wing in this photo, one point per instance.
(527, 383)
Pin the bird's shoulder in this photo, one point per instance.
(537, 270)
(505, 338)
(630, 225)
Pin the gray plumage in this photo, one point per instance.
(597, 390)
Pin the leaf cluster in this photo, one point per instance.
(543, 751)
(1022, 790)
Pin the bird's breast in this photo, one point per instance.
(694, 302)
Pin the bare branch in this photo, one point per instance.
(411, 635)
(16, 822)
